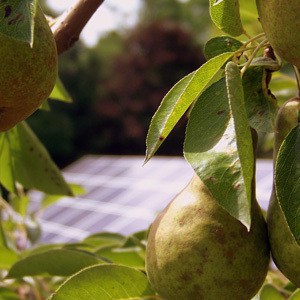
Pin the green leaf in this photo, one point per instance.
(104, 239)
(226, 16)
(7, 176)
(31, 164)
(125, 256)
(178, 100)
(261, 106)
(8, 294)
(287, 179)
(295, 295)
(266, 62)
(219, 168)
(19, 204)
(17, 19)
(59, 92)
(269, 292)
(105, 282)
(56, 262)
(221, 44)
(3, 242)
(243, 135)
(49, 200)
(208, 120)
(7, 257)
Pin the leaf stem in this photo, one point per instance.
(260, 45)
(253, 39)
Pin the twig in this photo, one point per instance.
(69, 25)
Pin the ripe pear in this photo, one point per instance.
(284, 248)
(197, 250)
(27, 74)
(280, 21)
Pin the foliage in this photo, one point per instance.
(222, 106)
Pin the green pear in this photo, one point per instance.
(197, 250)
(27, 74)
(280, 21)
(284, 248)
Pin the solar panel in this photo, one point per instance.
(122, 195)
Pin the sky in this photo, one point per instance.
(112, 14)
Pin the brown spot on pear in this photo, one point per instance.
(208, 246)
(27, 74)
(284, 248)
(280, 21)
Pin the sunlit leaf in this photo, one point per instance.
(226, 16)
(243, 135)
(30, 164)
(105, 282)
(7, 257)
(49, 200)
(295, 295)
(269, 292)
(178, 100)
(287, 177)
(17, 19)
(59, 92)
(7, 173)
(56, 262)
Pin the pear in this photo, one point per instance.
(284, 248)
(27, 74)
(280, 21)
(197, 250)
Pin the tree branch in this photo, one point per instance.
(69, 25)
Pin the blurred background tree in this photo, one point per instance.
(117, 85)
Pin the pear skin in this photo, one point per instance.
(280, 21)
(284, 248)
(27, 74)
(197, 250)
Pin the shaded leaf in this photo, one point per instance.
(221, 44)
(208, 119)
(287, 177)
(105, 282)
(226, 16)
(178, 100)
(125, 256)
(211, 147)
(17, 19)
(105, 239)
(261, 106)
(7, 294)
(57, 262)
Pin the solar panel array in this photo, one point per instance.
(122, 195)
